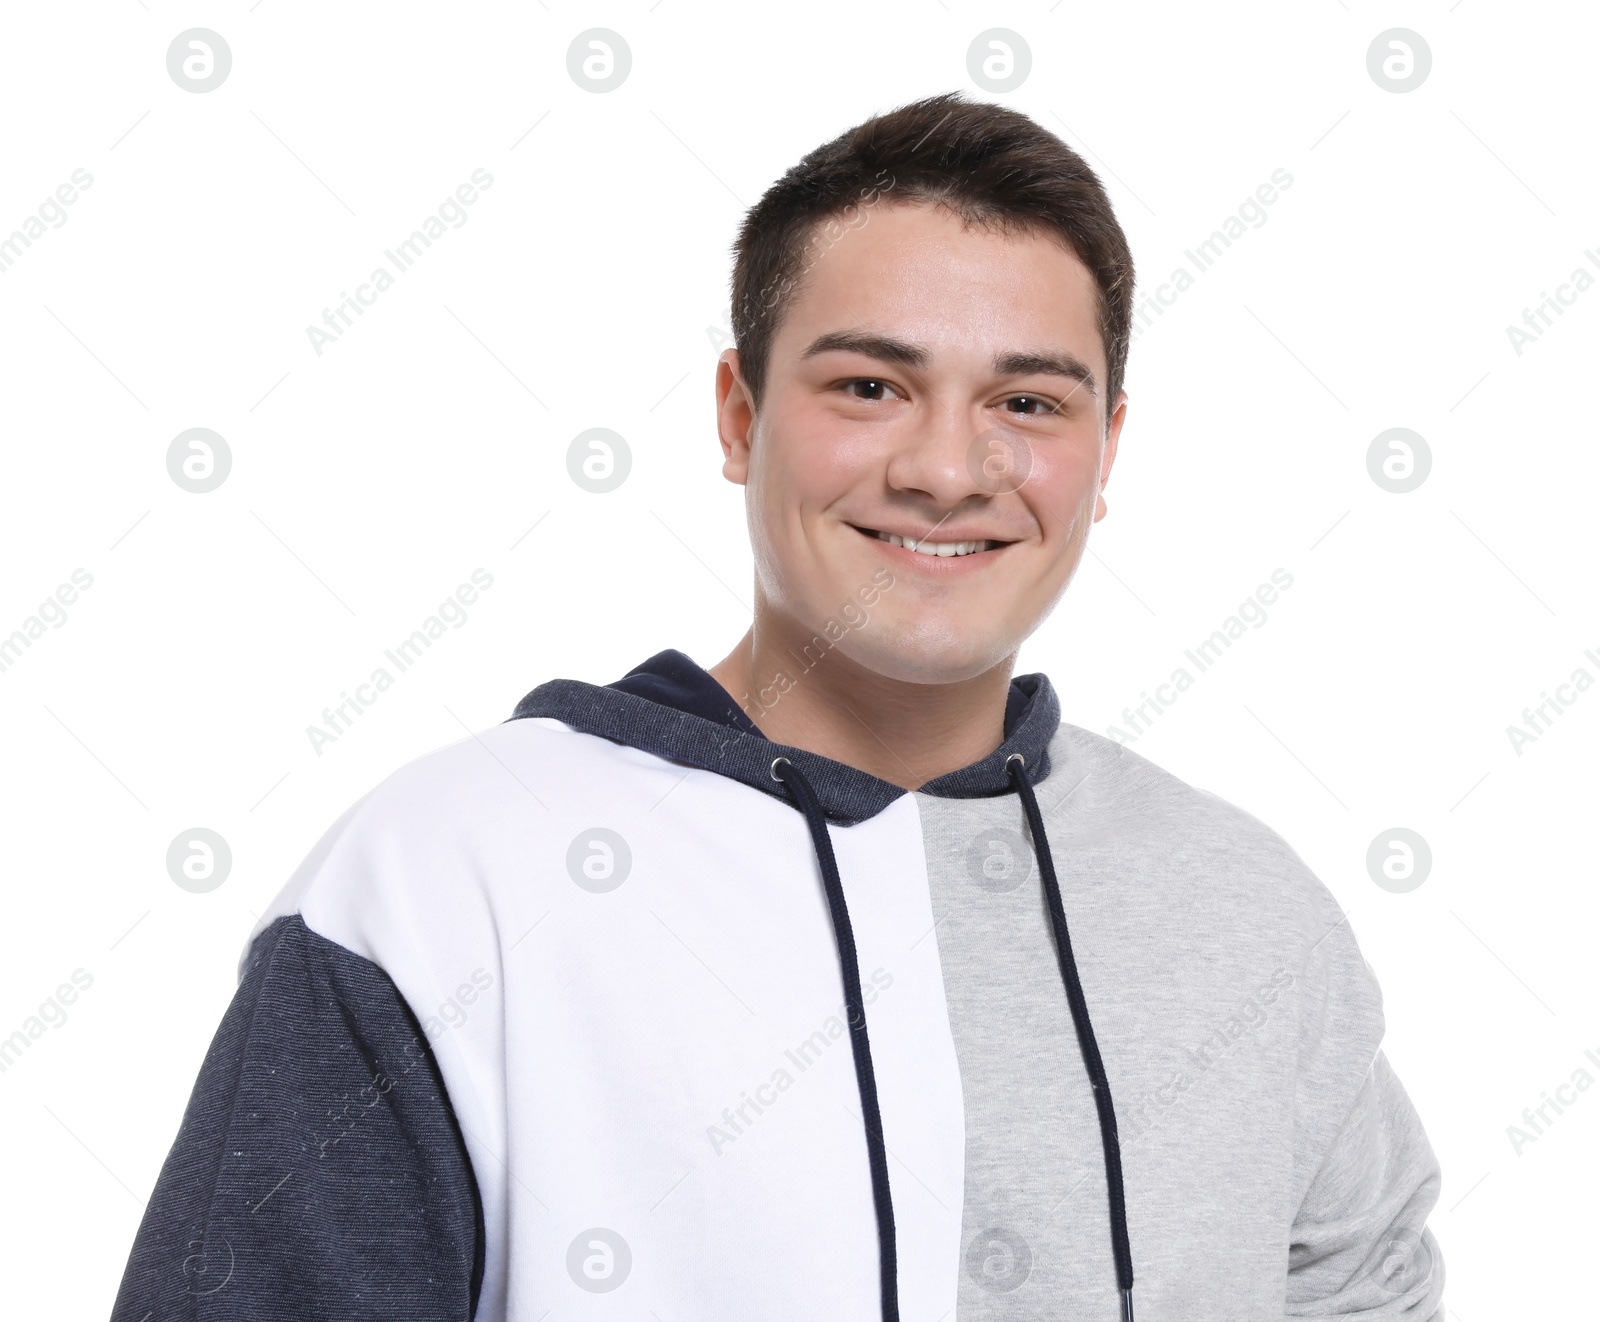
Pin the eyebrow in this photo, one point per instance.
(1046, 364)
(887, 349)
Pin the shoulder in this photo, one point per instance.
(1129, 789)
(446, 837)
(479, 777)
(1228, 869)
(523, 770)
(1199, 882)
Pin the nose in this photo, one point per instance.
(934, 458)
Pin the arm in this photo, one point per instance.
(319, 1170)
(1360, 1246)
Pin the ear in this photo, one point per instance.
(736, 417)
(1108, 452)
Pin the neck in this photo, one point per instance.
(902, 732)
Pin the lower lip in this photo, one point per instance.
(939, 564)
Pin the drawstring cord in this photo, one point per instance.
(1015, 765)
(866, 1082)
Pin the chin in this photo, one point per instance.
(931, 651)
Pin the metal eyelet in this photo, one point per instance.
(773, 769)
(1017, 757)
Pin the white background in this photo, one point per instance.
(588, 288)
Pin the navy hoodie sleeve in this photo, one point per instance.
(319, 1171)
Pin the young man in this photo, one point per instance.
(844, 980)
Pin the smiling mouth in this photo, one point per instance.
(928, 546)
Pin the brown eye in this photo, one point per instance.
(866, 388)
(1028, 404)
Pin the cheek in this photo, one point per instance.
(1061, 482)
(809, 463)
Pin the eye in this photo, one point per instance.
(869, 388)
(1029, 404)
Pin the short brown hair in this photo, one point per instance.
(990, 165)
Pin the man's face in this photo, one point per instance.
(942, 385)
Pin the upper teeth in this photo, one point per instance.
(933, 548)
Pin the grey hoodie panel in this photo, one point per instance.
(1274, 1166)
(1360, 1247)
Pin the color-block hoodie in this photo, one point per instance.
(620, 1010)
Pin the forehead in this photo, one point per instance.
(919, 272)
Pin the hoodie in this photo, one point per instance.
(620, 1009)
